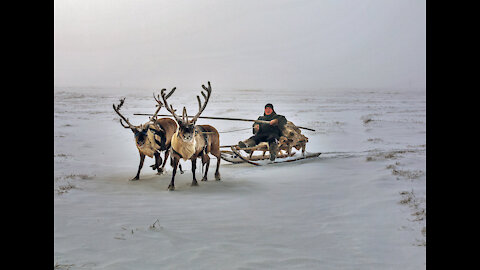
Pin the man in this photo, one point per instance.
(269, 133)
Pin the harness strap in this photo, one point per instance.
(177, 153)
(139, 133)
(163, 139)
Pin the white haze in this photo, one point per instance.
(281, 45)
(342, 68)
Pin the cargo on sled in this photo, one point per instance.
(291, 146)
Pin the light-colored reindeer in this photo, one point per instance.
(192, 141)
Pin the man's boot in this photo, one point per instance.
(246, 143)
(273, 148)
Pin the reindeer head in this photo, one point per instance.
(186, 128)
(140, 131)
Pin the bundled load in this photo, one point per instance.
(292, 137)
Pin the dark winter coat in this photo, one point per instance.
(267, 128)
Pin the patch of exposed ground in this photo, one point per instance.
(78, 176)
(63, 183)
(58, 266)
(326, 127)
(417, 146)
(394, 154)
(408, 174)
(127, 232)
(418, 212)
(367, 119)
(61, 189)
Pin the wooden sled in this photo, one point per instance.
(292, 138)
(240, 155)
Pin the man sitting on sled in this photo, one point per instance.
(269, 133)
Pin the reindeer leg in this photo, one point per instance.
(217, 173)
(205, 160)
(165, 158)
(175, 160)
(142, 158)
(154, 166)
(216, 152)
(194, 166)
(180, 167)
(158, 161)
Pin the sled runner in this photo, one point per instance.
(235, 155)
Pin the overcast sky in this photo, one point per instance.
(242, 44)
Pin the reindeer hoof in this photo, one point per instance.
(194, 183)
(135, 178)
(160, 172)
(204, 179)
(171, 188)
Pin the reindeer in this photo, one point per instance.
(192, 141)
(151, 137)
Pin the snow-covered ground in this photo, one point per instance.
(360, 205)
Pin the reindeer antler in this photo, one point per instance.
(117, 110)
(200, 106)
(167, 106)
(160, 104)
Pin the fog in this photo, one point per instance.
(246, 44)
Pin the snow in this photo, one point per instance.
(357, 206)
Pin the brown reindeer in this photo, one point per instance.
(192, 141)
(151, 137)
